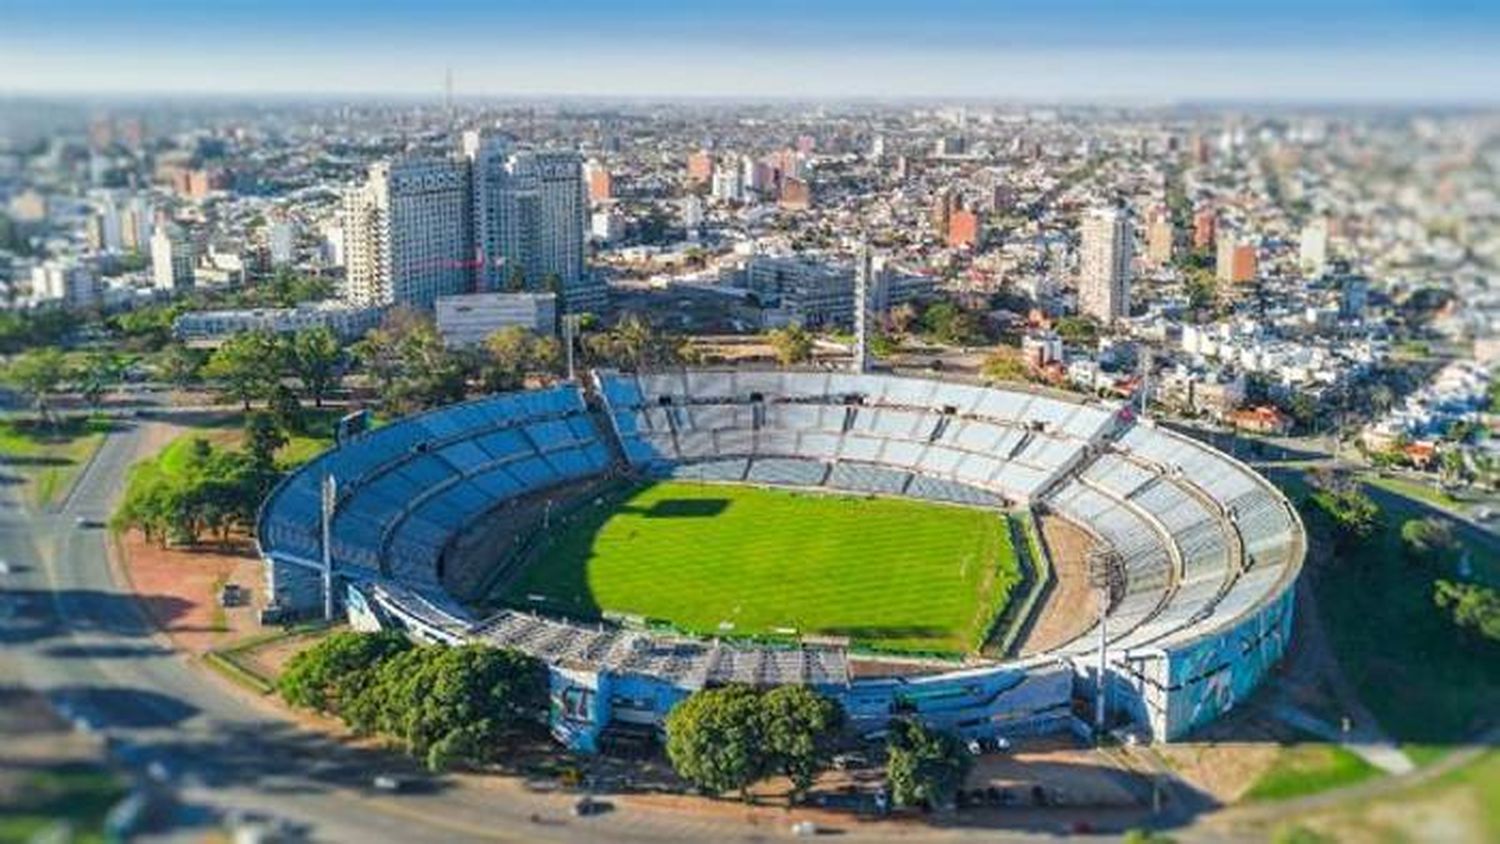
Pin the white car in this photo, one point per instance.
(4, 567)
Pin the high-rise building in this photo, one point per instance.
(728, 185)
(172, 259)
(530, 221)
(1159, 239)
(700, 166)
(1205, 228)
(963, 229)
(601, 182)
(1313, 251)
(406, 233)
(1104, 264)
(943, 206)
(280, 240)
(1234, 259)
(796, 194)
(65, 280)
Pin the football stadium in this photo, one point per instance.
(979, 557)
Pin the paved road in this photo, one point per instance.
(66, 629)
(69, 630)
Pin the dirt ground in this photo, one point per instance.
(179, 587)
(180, 590)
(1072, 606)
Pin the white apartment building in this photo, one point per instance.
(172, 259)
(468, 319)
(530, 214)
(66, 280)
(1104, 264)
(406, 232)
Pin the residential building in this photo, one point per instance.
(1160, 237)
(172, 259)
(466, 320)
(1234, 260)
(406, 233)
(530, 218)
(210, 328)
(67, 280)
(1104, 264)
(1313, 250)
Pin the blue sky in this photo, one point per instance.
(1128, 50)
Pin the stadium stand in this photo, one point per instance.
(1205, 550)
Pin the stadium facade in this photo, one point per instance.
(1202, 553)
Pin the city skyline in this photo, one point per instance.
(1076, 51)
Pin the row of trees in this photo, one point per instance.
(216, 491)
(729, 738)
(445, 705)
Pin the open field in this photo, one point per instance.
(1302, 769)
(47, 458)
(1428, 686)
(733, 560)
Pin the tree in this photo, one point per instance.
(1475, 608)
(1423, 540)
(512, 353)
(947, 323)
(332, 672)
(1351, 513)
(797, 727)
(248, 365)
(714, 739)
(792, 344)
(1078, 330)
(286, 409)
(446, 704)
(179, 366)
(925, 768)
(411, 366)
(315, 357)
(38, 373)
(263, 438)
(101, 371)
(903, 317)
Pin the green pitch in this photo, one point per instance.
(736, 560)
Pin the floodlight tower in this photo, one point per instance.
(864, 282)
(1104, 575)
(329, 503)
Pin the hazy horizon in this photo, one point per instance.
(1162, 52)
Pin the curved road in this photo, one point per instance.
(69, 630)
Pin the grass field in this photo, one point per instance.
(47, 458)
(1304, 769)
(732, 560)
(1429, 687)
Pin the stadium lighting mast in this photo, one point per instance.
(1102, 573)
(330, 497)
(863, 279)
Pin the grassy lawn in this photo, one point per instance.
(729, 560)
(1426, 685)
(79, 794)
(1413, 489)
(1303, 769)
(48, 458)
(1461, 805)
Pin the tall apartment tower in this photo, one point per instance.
(1104, 264)
(406, 233)
(1313, 250)
(172, 259)
(530, 219)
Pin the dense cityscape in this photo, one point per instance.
(744, 425)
